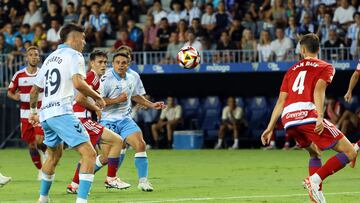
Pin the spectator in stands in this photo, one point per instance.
(265, 22)
(225, 45)
(181, 29)
(15, 58)
(355, 51)
(10, 9)
(248, 22)
(173, 48)
(232, 120)
(334, 42)
(26, 33)
(190, 11)
(174, 16)
(199, 31)
(170, 117)
(123, 40)
(344, 14)
(281, 46)
(150, 32)
(321, 12)
(64, 4)
(39, 35)
(3, 17)
(325, 27)
(5, 48)
(157, 11)
(292, 31)
(191, 40)
(33, 15)
(235, 31)
(100, 26)
(223, 20)
(352, 33)
(71, 15)
(53, 12)
(307, 24)
(44, 47)
(248, 45)
(53, 34)
(278, 13)
(84, 16)
(163, 35)
(306, 9)
(291, 9)
(135, 34)
(264, 47)
(208, 20)
(9, 34)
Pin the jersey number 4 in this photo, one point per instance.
(298, 85)
(53, 80)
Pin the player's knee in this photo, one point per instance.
(140, 146)
(351, 154)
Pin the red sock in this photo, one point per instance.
(35, 157)
(76, 175)
(112, 166)
(333, 165)
(315, 165)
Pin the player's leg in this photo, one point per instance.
(235, 128)
(222, 131)
(155, 128)
(28, 135)
(169, 133)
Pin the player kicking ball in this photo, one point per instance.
(19, 90)
(110, 142)
(115, 85)
(301, 106)
(62, 72)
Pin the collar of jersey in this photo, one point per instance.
(117, 76)
(60, 46)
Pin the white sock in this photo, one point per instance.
(220, 141)
(272, 143)
(315, 178)
(286, 144)
(98, 162)
(142, 180)
(75, 185)
(43, 198)
(236, 141)
(356, 147)
(80, 200)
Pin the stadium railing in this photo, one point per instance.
(9, 64)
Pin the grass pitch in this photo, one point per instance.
(188, 176)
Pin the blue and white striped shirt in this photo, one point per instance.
(99, 22)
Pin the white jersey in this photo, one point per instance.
(55, 77)
(112, 86)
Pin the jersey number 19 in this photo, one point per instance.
(54, 85)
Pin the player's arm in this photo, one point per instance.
(83, 101)
(13, 95)
(34, 95)
(122, 98)
(278, 109)
(319, 99)
(143, 101)
(81, 85)
(353, 81)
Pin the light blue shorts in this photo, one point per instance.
(65, 128)
(123, 127)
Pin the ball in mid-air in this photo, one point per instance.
(188, 57)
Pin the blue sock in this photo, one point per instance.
(85, 185)
(141, 163)
(122, 157)
(98, 164)
(46, 182)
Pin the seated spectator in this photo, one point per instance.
(100, 26)
(281, 46)
(343, 14)
(355, 49)
(225, 44)
(174, 16)
(208, 20)
(321, 12)
(199, 31)
(71, 15)
(44, 47)
(26, 33)
(135, 34)
(352, 33)
(306, 9)
(15, 58)
(232, 120)
(248, 22)
(223, 20)
(53, 12)
(292, 30)
(173, 48)
(9, 34)
(150, 32)
(3, 17)
(265, 22)
(307, 24)
(123, 40)
(157, 11)
(39, 35)
(277, 11)
(291, 9)
(53, 34)
(248, 45)
(191, 40)
(334, 42)
(264, 47)
(5, 48)
(181, 29)
(235, 31)
(163, 35)
(170, 117)
(33, 15)
(190, 11)
(325, 27)
(84, 16)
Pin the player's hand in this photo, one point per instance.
(100, 103)
(34, 119)
(266, 136)
(123, 97)
(319, 127)
(159, 105)
(348, 96)
(17, 96)
(98, 114)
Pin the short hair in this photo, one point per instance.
(311, 42)
(356, 13)
(26, 25)
(196, 19)
(97, 53)
(32, 48)
(67, 29)
(20, 37)
(71, 4)
(122, 53)
(125, 48)
(95, 4)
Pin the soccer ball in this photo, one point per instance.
(188, 57)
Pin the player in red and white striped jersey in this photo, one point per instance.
(110, 142)
(301, 106)
(19, 90)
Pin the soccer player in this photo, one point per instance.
(115, 85)
(4, 180)
(62, 71)
(110, 142)
(301, 106)
(19, 90)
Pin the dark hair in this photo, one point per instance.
(26, 25)
(97, 53)
(71, 4)
(196, 19)
(311, 42)
(210, 4)
(20, 37)
(122, 53)
(95, 4)
(67, 29)
(356, 13)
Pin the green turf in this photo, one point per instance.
(180, 176)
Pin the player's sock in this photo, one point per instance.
(356, 146)
(314, 165)
(333, 165)
(272, 143)
(220, 141)
(46, 181)
(84, 186)
(122, 157)
(141, 163)
(236, 141)
(98, 164)
(113, 164)
(76, 175)
(36, 158)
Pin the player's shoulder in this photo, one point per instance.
(134, 73)
(20, 73)
(108, 75)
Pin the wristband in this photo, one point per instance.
(33, 111)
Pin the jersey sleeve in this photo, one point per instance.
(77, 65)
(284, 84)
(139, 88)
(40, 77)
(90, 76)
(104, 92)
(327, 74)
(14, 84)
